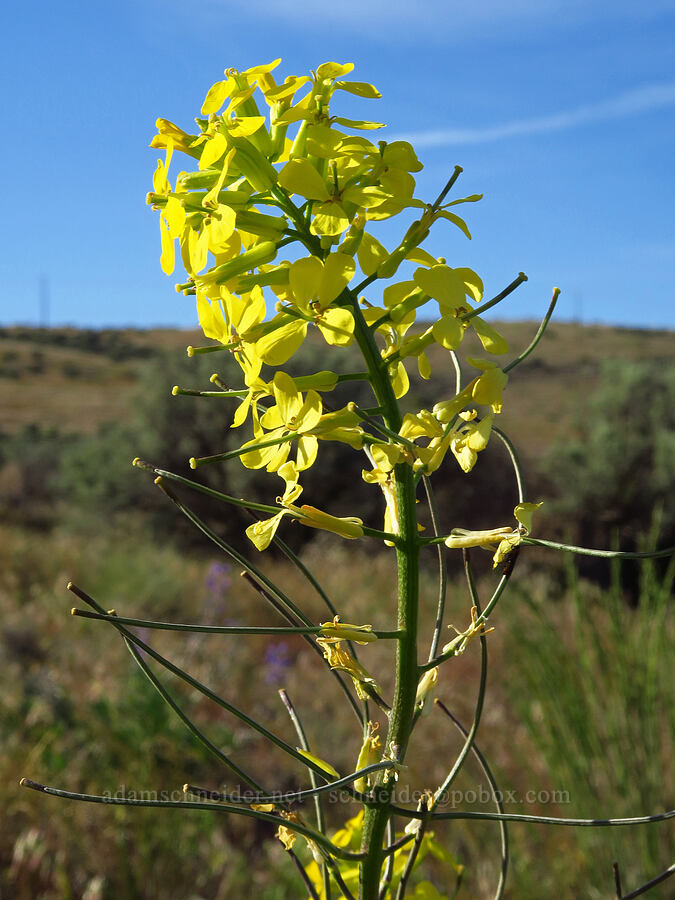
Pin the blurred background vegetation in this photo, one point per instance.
(581, 695)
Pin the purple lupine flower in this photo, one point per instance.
(277, 662)
(217, 581)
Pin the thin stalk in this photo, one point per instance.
(305, 877)
(298, 827)
(509, 289)
(354, 376)
(468, 743)
(214, 629)
(366, 416)
(390, 849)
(276, 605)
(503, 830)
(296, 796)
(543, 820)
(517, 469)
(388, 864)
(362, 285)
(457, 171)
(197, 685)
(458, 371)
(196, 461)
(299, 564)
(339, 880)
(320, 820)
(412, 856)
(484, 616)
(494, 599)
(216, 348)
(310, 643)
(538, 336)
(188, 392)
(211, 492)
(650, 884)
(442, 570)
(235, 555)
(315, 583)
(163, 692)
(607, 554)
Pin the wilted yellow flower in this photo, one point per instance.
(459, 644)
(360, 634)
(342, 660)
(505, 538)
(285, 834)
(426, 686)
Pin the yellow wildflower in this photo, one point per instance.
(291, 417)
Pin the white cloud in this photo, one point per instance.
(630, 103)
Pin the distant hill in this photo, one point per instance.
(76, 380)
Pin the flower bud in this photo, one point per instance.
(370, 753)
(244, 262)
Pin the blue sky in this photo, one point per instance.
(561, 112)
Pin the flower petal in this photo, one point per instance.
(300, 177)
(279, 345)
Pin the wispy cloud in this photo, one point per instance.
(630, 103)
(436, 18)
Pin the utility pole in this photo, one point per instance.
(44, 301)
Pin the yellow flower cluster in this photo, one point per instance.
(291, 173)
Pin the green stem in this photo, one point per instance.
(294, 796)
(468, 744)
(479, 310)
(318, 808)
(242, 451)
(319, 839)
(497, 795)
(248, 566)
(202, 688)
(377, 816)
(215, 629)
(187, 392)
(215, 348)
(607, 554)
(301, 870)
(545, 820)
(217, 495)
(482, 618)
(442, 571)
(339, 880)
(159, 687)
(538, 336)
(388, 864)
(648, 885)
(412, 855)
(457, 171)
(517, 470)
(299, 564)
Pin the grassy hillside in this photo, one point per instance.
(579, 705)
(77, 380)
